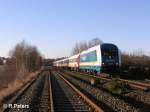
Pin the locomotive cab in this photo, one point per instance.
(110, 58)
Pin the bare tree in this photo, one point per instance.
(94, 41)
(27, 58)
(76, 49)
(81, 46)
(138, 53)
(137, 58)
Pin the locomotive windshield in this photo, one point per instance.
(109, 51)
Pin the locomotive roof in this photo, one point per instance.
(74, 56)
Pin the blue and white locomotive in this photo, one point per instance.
(99, 58)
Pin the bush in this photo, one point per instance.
(137, 64)
(117, 87)
(25, 59)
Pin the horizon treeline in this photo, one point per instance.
(23, 60)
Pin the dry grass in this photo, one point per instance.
(13, 86)
(7, 75)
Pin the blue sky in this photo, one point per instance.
(54, 26)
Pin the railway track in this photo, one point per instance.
(101, 95)
(46, 102)
(34, 98)
(51, 93)
(59, 92)
(137, 84)
(67, 98)
(134, 84)
(12, 98)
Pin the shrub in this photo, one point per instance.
(117, 87)
(25, 58)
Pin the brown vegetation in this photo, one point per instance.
(137, 64)
(24, 59)
(81, 46)
(135, 59)
(15, 85)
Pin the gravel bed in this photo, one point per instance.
(136, 95)
(30, 99)
(116, 104)
(140, 96)
(44, 100)
(65, 99)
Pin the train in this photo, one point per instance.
(100, 58)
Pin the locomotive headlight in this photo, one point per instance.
(117, 63)
(103, 63)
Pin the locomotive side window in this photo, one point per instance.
(89, 57)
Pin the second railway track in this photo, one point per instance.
(67, 98)
(116, 103)
(135, 84)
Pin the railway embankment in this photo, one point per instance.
(30, 98)
(15, 86)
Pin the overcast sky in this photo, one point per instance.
(54, 26)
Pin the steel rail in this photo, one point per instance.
(139, 85)
(91, 103)
(51, 104)
(134, 84)
(19, 93)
